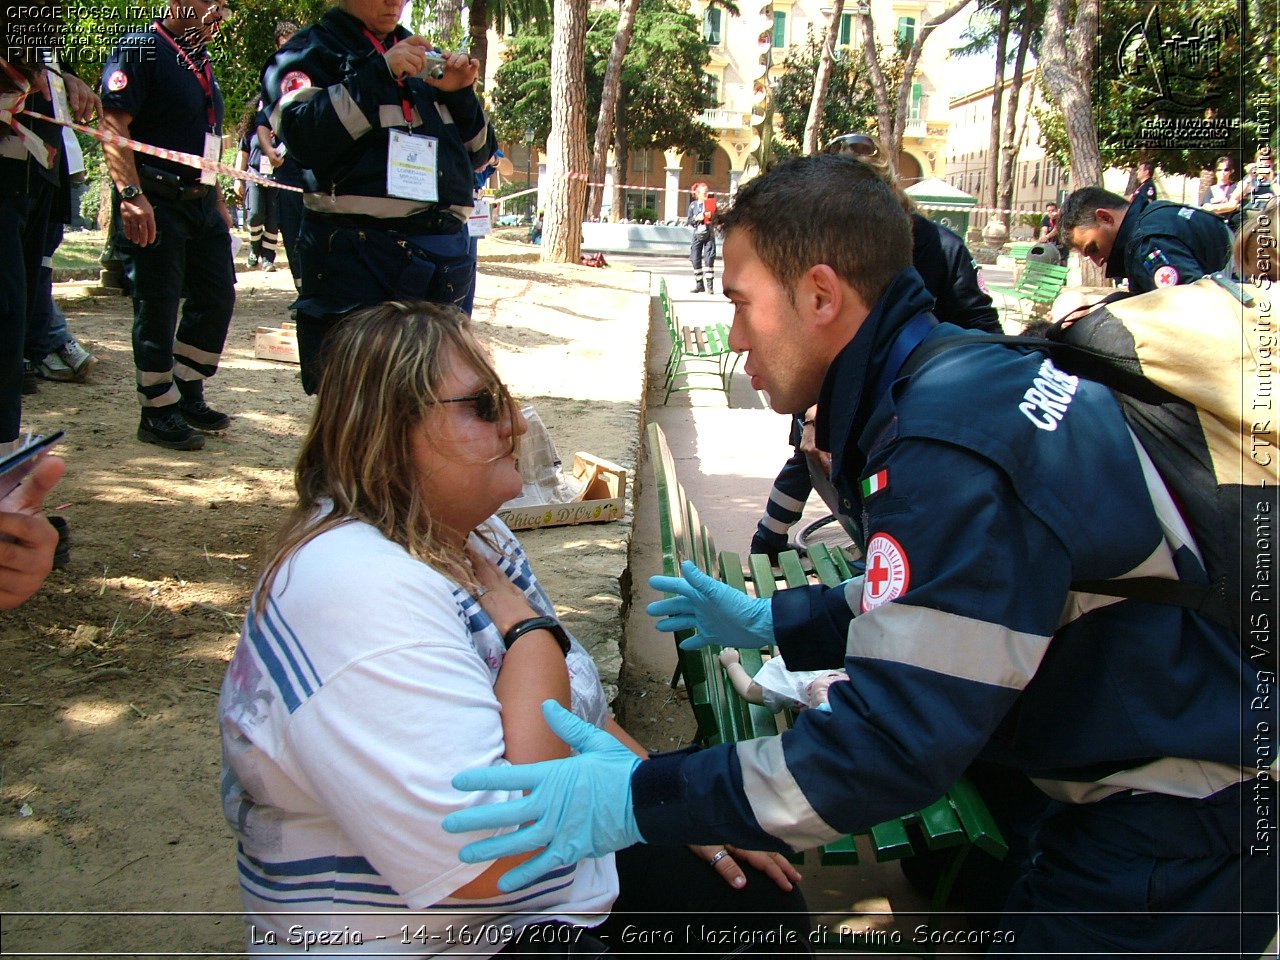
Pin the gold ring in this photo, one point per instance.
(718, 857)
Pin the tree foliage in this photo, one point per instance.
(849, 104)
(1147, 67)
(239, 51)
(663, 81)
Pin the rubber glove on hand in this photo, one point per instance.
(719, 613)
(579, 807)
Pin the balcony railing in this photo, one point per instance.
(916, 127)
(724, 119)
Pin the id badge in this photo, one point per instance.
(58, 91)
(212, 152)
(264, 166)
(411, 167)
(478, 223)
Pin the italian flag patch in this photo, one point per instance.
(875, 483)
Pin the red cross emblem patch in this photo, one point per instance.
(117, 81)
(294, 80)
(888, 572)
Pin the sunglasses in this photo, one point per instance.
(490, 402)
(858, 144)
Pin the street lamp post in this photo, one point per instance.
(528, 166)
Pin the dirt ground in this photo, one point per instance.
(109, 755)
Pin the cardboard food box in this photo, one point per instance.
(603, 498)
(276, 343)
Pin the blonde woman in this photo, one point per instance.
(398, 636)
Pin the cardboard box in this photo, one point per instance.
(276, 343)
(604, 499)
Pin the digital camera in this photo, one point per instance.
(434, 70)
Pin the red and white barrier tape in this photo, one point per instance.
(11, 107)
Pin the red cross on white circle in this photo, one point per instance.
(888, 572)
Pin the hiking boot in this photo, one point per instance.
(166, 427)
(269, 266)
(30, 380)
(198, 413)
(203, 417)
(697, 289)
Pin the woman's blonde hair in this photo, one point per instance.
(382, 371)
(868, 151)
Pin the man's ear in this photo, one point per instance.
(820, 295)
(1103, 215)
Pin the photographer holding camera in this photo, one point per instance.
(390, 132)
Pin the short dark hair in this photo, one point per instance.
(1078, 209)
(1150, 165)
(824, 209)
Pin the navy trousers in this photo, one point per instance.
(191, 259)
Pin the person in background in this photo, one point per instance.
(34, 191)
(397, 633)
(702, 250)
(1145, 182)
(1149, 245)
(391, 131)
(174, 233)
(1223, 196)
(285, 170)
(1050, 230)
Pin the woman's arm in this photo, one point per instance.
(533, 670)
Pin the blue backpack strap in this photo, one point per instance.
(909, 337)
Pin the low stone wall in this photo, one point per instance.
(636, 238)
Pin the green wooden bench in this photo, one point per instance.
(959, 819)
(697, 353)
(1037, 288)
(1018, 249)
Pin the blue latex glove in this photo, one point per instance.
(720, 614)
(580, 806)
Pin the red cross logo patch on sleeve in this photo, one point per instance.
(295, 80)
(117, 81)
(888, 572)
(1166, 276)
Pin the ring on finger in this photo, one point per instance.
(481, 591)
(718, 857)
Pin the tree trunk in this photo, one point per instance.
(567, 146)
(997, 97)
(621, 155)
(909, 72)
(444, 20)
(609, 102)
(1009, 148)
(884, 112)
(822, 80)
(1067, 70)
(480, 35)
(891, 119)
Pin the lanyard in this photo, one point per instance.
(405, 101)
(204, 73)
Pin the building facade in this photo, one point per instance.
(659, 181)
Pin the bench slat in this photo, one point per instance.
(940, 825)
(890, 841)
(976, 818)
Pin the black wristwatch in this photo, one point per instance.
(538, 623)
(130, 192)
